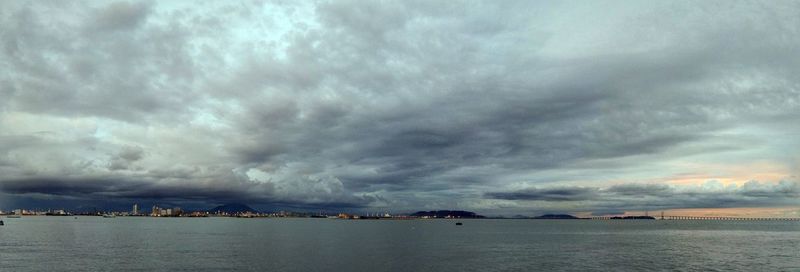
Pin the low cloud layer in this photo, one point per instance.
(638, 197)
(401, 106)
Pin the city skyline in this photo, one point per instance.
(501, 108)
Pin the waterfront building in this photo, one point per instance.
(57, 212)
(344, 216)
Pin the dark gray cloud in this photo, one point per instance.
(119, 16)
(641, 190)
(399, 105)
(116, 190)
(548, 194)
(125, 158)
(637, 197)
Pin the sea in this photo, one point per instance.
(85, 243)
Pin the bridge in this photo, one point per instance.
(717, 218)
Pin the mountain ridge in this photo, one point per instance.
(232, 208)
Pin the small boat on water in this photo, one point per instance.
(109, 216)
(1, 223)
(459, 224)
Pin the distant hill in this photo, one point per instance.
(446, 213)
(232, 208)
(556, 216)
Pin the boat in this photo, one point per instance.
(109, 216)
(459, 224)
(1, 223)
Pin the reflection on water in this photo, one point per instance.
(213, 244)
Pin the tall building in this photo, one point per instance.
(135, 210)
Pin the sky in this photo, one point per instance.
(498, 107)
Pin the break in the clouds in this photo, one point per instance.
(498, 107)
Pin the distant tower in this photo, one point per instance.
(662, 215)
(135, 210)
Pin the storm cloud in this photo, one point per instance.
(637, 197)
(496, 107)
(550, 194)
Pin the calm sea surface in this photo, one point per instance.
(231, 244)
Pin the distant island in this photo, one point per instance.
(557, 216)
(446, 214)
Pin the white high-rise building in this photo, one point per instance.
(135, 210)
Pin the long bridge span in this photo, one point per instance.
(718, 218)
